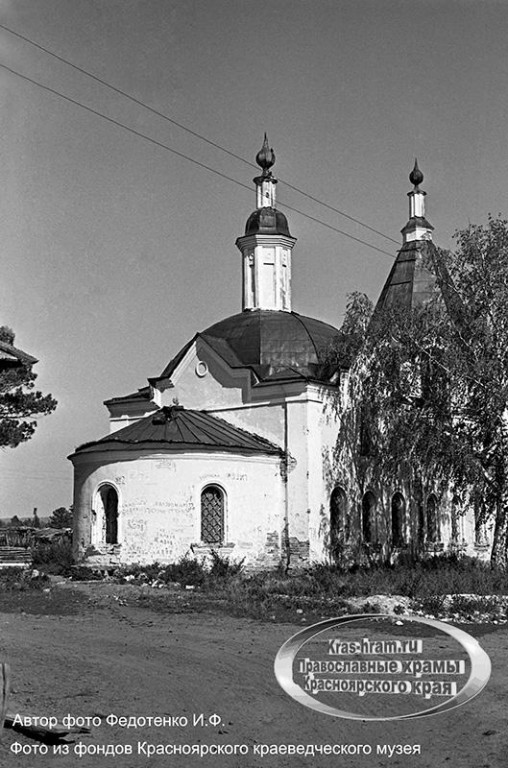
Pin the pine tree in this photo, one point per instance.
(20, 404)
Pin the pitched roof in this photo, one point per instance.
(142, 394)
(181, 429)
(410, 282)
(9, 353)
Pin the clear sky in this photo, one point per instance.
(116, 251)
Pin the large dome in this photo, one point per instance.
(274, 344)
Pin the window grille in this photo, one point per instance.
(212, 515)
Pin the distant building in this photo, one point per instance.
(12, 357)
(232, 447)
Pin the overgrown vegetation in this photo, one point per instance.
(188, 572)
(322, 590)
(21, 579)
(53, 556)
(438, 586)
(429, 386)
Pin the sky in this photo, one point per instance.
(115, 251)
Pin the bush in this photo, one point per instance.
(223, 568)
(21, 579)
(54, 556)
(432, 604)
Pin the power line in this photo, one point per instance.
(186, 157)
(189, 130)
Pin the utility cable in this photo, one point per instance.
(184, 156)
(189, 130)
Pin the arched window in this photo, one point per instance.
(212, 515)
(455, 520)
(368, 517)
(339, 520)
(105, 518)
(398, 520)
(421, 525)
(433, 533)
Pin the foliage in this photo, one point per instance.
(352, 331)
(223, 567)
(431, 383)
(54, 556)
(61, 518)
(21, 579)
(20, 405)
(188, 571)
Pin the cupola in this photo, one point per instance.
(266, 245)
(417, 228)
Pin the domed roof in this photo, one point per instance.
(267, 221)
(275, 344)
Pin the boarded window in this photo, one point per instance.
(212, 515)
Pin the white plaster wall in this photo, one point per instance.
(203, 381)
(266, 420)
(159, 502)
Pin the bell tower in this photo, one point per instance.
(266, 245)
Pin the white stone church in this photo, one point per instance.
(231, 448)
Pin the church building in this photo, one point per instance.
(231, 448)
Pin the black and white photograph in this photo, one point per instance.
(253, 383)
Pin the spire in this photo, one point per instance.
(416, 176)
(265, 184)
(410, 283)
(266, 245)
(265, 158)
(417, 228)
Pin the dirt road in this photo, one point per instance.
(104, 657)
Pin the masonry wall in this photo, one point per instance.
(159, 506)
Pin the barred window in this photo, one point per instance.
(212, 515)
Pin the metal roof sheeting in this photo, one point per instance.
(275, 345)
(10, 353)
(178, 428)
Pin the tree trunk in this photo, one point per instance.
(499, 553)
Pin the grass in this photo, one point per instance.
(323, 590)
(53, 557)
(188, 572)
(21, 580)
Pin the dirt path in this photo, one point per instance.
(127, 660)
